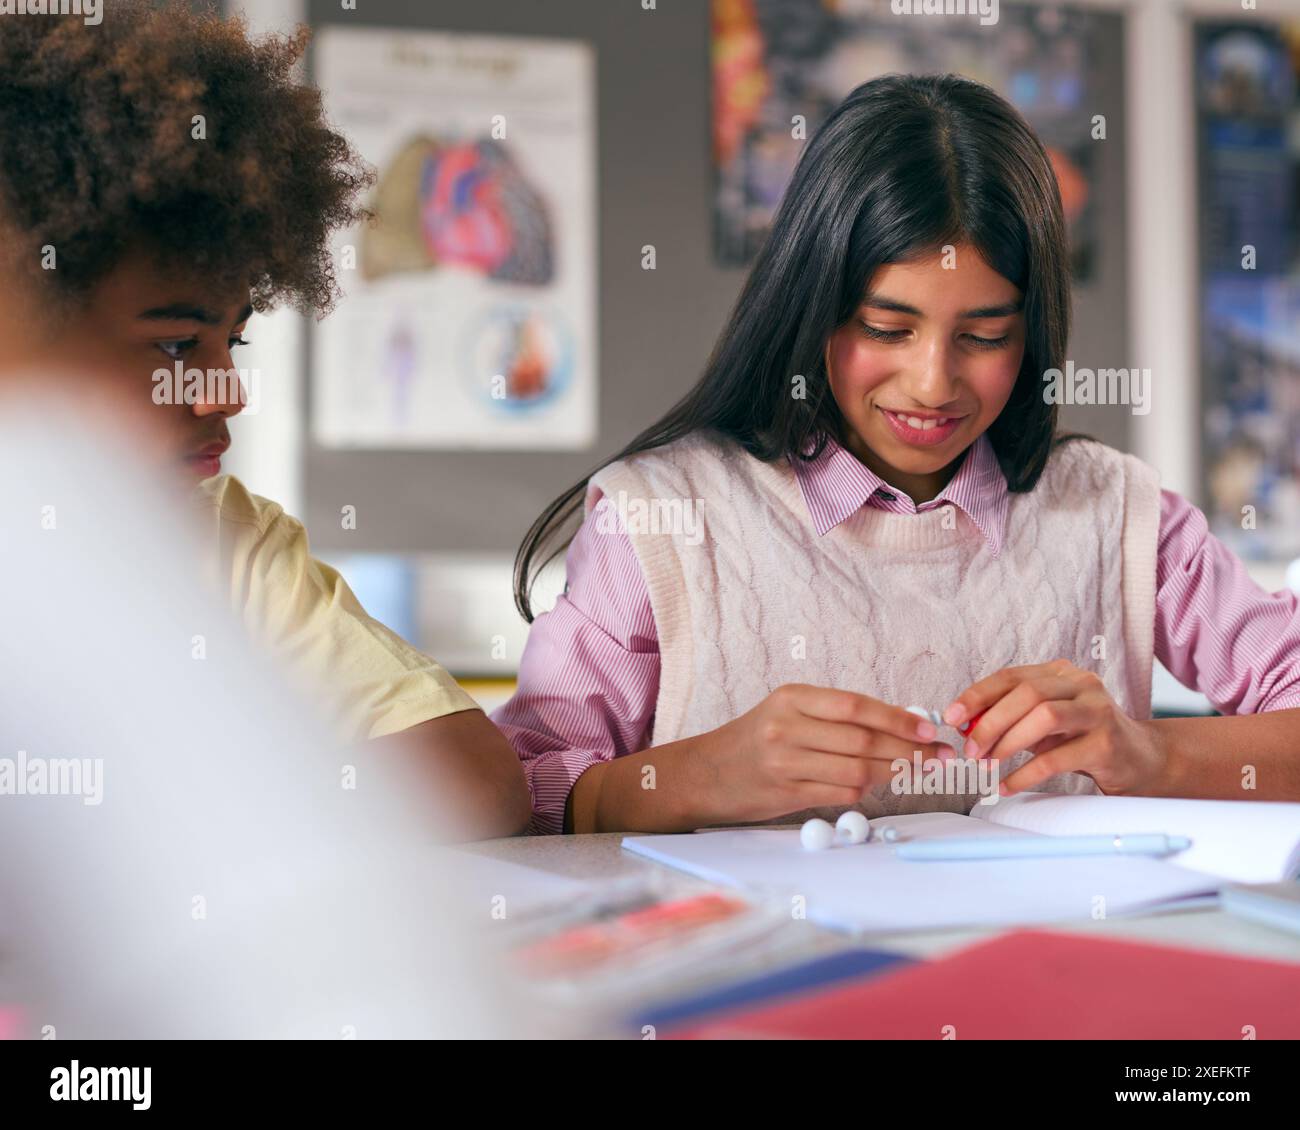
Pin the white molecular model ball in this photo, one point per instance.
(816, 835)
(928, 714)
(852, 827)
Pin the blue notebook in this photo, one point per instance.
(790, 981)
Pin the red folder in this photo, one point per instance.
(1039, 985)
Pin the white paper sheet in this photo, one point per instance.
(1248, 841)
(867, 888)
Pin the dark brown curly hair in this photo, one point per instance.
(97, 154)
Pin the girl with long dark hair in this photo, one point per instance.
(864, 503)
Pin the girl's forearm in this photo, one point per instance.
(1242, 757)
(650, 791)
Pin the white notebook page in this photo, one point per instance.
(1248, 841)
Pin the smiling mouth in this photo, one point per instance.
(922, 423)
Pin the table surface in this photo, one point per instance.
(601, 857)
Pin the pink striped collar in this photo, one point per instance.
(836, 484)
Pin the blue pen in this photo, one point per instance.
(1033, 847)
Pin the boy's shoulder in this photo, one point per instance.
(231, 504)
(254, 546)
(249, 531)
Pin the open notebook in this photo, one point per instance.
(868, 888)
(1246, 841)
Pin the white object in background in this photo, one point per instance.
(816, 835)
(853, 827)
(466, 612)
(266, 450)
(1293, 575)
(1169, 695)
(1160, 150)
(266, 454)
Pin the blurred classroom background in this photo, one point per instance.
(571, 191)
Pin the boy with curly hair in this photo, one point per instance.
(162, 177)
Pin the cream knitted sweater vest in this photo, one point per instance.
(907, 608)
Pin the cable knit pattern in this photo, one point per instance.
(907, 608)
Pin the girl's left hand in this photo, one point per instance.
(1065, 716)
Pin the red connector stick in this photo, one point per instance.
(966, 727)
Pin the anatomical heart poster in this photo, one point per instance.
(469, 312)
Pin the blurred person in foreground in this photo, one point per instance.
(162, 177)
(184, 850)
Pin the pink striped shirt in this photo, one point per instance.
(589, 676)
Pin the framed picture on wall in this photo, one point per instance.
(780, 66)
(469, 316)
(1248, 157)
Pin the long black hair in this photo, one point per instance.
(904, 165)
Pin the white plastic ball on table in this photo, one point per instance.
(853, 827)
(816, 835)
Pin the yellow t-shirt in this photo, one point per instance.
(369, 678)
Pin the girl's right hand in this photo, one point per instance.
(806, 747)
